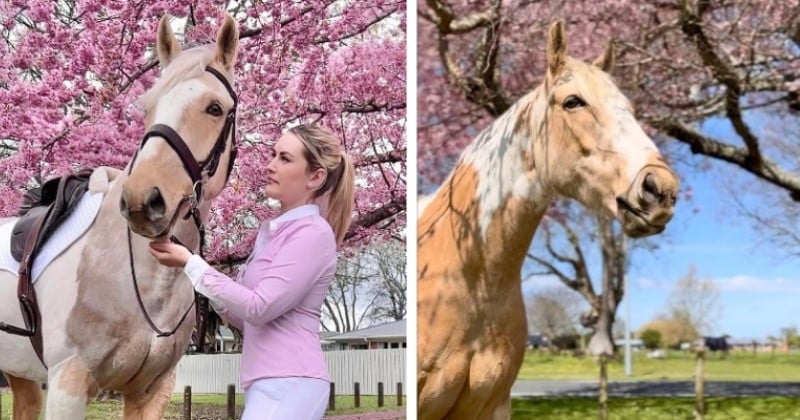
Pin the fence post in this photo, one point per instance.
(357, 394)
(231, 401)
(699, 402)
(602, 394)
(380, 394)
(332, 397)
(187, 403)
(399, 394)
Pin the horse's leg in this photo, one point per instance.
(27, 397)
(69, 389)
(502, 411)
(152, 405)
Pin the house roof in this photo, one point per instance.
(389, 331)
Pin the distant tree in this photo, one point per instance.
(651, 339)
(346, 306)
(369, 287)
(554, 312)
(569, 341)
(790, 336)
(673, 331)
(389, 287)
(696, 302)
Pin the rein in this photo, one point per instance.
(197, 171)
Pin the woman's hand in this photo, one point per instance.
(169, 254)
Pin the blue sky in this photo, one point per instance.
(759, 285)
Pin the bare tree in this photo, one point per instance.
(346, 306)
(564, 256)
(696, 302)
(554, 311)
(389, 288)
(369, 286)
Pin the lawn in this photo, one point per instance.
(738, 366)
(214, 406)
(574, 408)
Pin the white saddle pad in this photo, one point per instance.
(68, 232)
(71, 229)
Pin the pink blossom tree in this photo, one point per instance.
(72, 70)
(681, 62)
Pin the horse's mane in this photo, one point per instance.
(190, 63)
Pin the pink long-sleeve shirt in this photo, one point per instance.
(277, 297)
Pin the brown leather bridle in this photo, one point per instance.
(197, 171)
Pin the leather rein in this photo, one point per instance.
(197, 172)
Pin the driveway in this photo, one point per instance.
(655, 389)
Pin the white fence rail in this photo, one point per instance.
(211, 373)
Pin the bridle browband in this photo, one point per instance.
(198, 172)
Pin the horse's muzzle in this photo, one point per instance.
(649, 204)
(146, 214)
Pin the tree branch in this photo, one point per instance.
(392, 156)
(483, 88)
(699, 143)
(390, 209)
(691, 26)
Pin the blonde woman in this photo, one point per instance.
(276, 299)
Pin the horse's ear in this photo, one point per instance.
(228, 43)
(167, 46)
(606, 60)
(556, 48)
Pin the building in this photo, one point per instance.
(391, 335)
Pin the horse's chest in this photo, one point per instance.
(133, 365)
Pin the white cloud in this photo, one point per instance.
(733, 284)
(751, 284)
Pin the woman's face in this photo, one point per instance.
(288, 178)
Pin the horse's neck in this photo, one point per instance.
(494, 199)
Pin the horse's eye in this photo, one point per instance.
(214, 109)
(573, 102)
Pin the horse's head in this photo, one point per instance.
(190, 115)
(593, 149)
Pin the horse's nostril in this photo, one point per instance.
(650, 184)
(154, 205)
(649, 190)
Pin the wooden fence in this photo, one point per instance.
(211, 374)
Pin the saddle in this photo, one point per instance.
(42, 210)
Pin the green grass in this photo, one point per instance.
(214, 406)
(575, 408)
(738, 366)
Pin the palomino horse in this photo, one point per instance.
(574, 135)
(95, 334)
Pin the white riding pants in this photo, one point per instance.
(286, 398)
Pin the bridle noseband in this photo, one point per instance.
(198, 172)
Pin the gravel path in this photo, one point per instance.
(655, 388)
